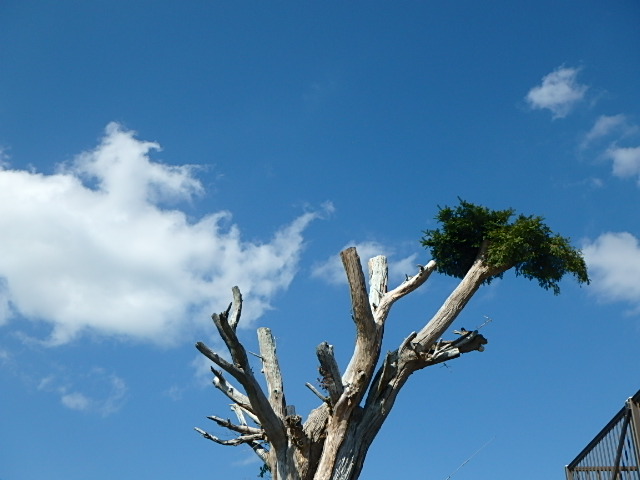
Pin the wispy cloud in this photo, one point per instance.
(604, 126)
(75, 401)
(105, 396)
(614, 265)
(4, 356)
(332, 271)
(174, 392)
(559, 92)
(4, 157)
(95, 247)
(616, 130)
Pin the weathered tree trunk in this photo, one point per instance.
(333, 442)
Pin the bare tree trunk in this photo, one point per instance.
(333, 442)
(415, 354)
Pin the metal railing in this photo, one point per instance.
(614, 454)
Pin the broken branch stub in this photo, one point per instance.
(234, 318)
(378, 279)
(272, 373)
(329, 371)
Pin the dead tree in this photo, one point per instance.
(332, 443)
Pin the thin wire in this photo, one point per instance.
(489, 320)
(469, 459)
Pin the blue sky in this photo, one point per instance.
(154, 154)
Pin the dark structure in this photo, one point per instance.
(614, 454)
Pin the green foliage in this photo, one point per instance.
(525, 244)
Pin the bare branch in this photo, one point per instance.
(469, 341)
(225, 387)
(368, 337)
(406, 343)
(419, 350)
(236, 441)
(389, 367)
(234, 318)
(237, 351)
(239, 413)
(378, 273)
(383, 376)
(221, 362)
(454, 304)
(259, 449)
(408, 286)
(362, 315)
(236, 428)
(329, 371)
(272, 372)
(444, 351)
(241, 371)
(256, 446)
(251, 415)
(360, 369)
(378, 279)
(229, 390)
(317, 393)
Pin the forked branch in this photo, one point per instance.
(244, 429)
(405, 288)
(231, 392)
(233, 442)
(241, 371)
(367, 345)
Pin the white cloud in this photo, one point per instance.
(108, 391)
(604, 126)
(123, 171)
(332, 271)
(626, 161)
(75, 401)
(613, 260)
(558, 92)
(94, 248)
(399, 269)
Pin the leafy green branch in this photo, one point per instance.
(524, 243)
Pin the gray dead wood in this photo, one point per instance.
(333, 441)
